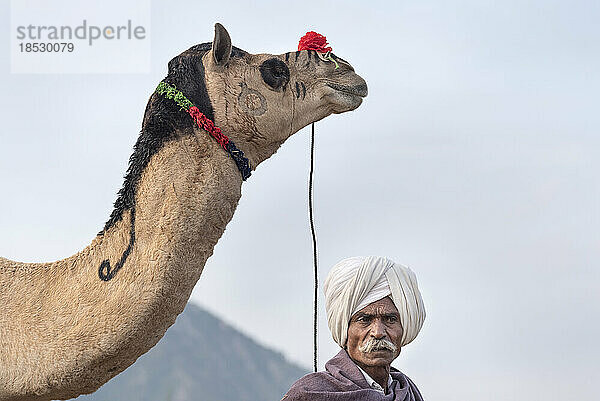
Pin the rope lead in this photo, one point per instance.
(314, 241)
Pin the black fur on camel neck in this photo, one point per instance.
(164, 120)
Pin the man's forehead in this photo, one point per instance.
(383, 306)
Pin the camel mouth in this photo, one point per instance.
(358, 90)
(347, 97)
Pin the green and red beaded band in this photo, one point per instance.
(171, 92)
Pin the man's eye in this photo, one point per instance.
(392, 319)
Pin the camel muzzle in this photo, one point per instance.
(357, 90)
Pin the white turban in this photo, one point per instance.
(356, 282)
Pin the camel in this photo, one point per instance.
(67, 327)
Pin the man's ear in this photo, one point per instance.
(221, 46)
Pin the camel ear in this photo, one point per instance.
(221, 46)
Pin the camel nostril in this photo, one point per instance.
(347, 65)
(362, 90)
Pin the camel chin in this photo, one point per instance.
(343, 102)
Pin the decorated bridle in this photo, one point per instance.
(205, 123)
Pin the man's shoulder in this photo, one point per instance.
(398, 375)
(406, 383)
(302, 389)
(315, 382)
(322, 385)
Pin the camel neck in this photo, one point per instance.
(186, 195)
(169, 189)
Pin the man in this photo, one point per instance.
(374, 308)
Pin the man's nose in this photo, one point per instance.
(378, 329)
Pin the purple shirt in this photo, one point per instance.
(343, 381)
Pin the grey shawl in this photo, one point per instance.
(343, 381)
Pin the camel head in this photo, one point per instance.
(260, 100)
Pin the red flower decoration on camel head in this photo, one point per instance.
(314, 41)
(317, 42)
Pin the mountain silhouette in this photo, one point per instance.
(201, 358)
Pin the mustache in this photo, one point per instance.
(375, 344)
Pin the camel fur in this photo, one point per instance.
(63, 330)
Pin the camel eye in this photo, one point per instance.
(275, 73)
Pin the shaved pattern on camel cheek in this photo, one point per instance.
(252, 101)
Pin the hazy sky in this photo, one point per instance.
(473, 160)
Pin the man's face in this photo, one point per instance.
(379, 320)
